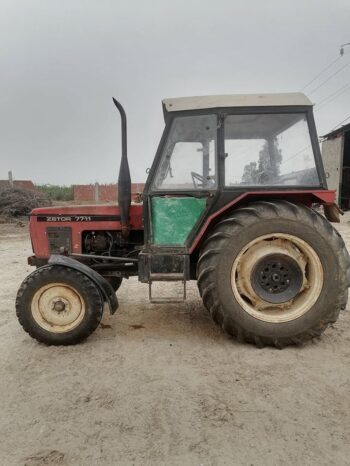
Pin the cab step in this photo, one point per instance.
(168, 277)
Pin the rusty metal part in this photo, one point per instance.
(125, 229)
(332, 212)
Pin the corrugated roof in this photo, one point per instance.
(235, 100)
(336, 132)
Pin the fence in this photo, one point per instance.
(103, 192)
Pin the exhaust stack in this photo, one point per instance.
(124, 180)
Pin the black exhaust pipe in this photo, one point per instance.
(124, 180)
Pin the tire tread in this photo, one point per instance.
(238, 220)
(95, 302)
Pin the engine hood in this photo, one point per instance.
(84, 210)
(87, 214)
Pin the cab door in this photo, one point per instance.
(183, 179)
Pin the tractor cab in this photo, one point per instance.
(214, 151)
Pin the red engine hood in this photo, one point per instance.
(135, 209)
(78, 219)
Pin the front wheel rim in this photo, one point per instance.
(259, 296)
(58, 307)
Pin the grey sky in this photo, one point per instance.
(62, 61)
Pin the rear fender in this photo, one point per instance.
(306, 197)
(102, 284)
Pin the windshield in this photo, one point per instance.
(269, 149)
(188, 158)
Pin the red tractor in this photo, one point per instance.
(230, 202)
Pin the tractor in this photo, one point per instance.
(236, 198)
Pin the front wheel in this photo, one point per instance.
(114, 281)
(274, 273)
(57, 305)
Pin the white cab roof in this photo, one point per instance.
(236, 100)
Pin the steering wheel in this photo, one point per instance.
(201, 179)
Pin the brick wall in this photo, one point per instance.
(83, 192)
(102, 192)
(107, 192)
(23, 184)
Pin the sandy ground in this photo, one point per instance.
(164, 386)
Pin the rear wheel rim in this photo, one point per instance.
(277, 277)
(58, 307)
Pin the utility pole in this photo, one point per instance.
(96, 192)
(10, 179)
(342, 48)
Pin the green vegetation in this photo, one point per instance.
(57, 193)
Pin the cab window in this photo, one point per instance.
(269, 149)
(188, 158)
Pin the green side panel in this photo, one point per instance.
(174, 217)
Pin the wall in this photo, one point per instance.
(23, 184)
(103, 192)
(332, 156)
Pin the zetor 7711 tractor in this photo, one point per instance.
(228, 202)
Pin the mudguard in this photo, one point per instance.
(102, 284)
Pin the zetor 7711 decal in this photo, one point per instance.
(77, 218)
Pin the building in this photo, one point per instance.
(336, 160)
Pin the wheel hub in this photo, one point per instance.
(277, 278)
(58, 307)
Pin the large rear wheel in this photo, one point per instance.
(58, 306)
(274, 273)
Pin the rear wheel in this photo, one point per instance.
(274, 273)
(58, 306)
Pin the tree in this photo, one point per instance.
(250, 173)
(267, 167)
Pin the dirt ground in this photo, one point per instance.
(164, 386)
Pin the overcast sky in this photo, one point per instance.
(62, 61)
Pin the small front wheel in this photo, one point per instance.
(114, 281)
(57, 305)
